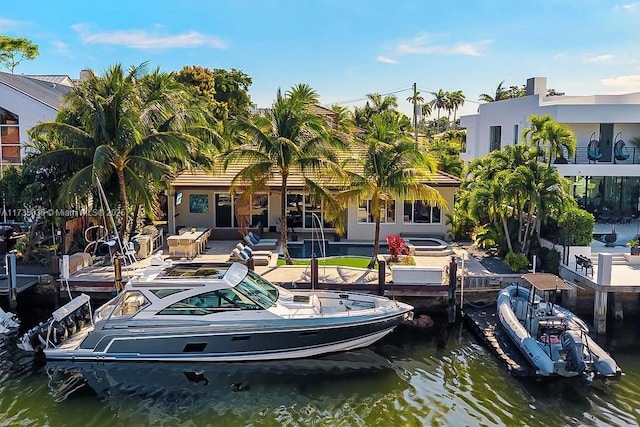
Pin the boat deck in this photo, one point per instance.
(485, 324)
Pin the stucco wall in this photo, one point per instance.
(366, 231)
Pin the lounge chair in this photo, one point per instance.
(259, 245)
(257, 239)
(243, 256)
(251, 252)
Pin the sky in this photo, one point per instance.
(346, 49)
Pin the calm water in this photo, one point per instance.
(308, 247)
(444, 377)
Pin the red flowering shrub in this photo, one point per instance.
(397, 247)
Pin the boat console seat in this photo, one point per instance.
(520, 309)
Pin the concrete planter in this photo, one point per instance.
(632, 259)
(416, 274)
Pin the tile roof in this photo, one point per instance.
(45, 92)
(199, 178)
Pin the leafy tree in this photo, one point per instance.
(553, 92)
(126, 127)
(288, 138)
(577, 225)
(232, 91)
(15, 50)
(226, 92)
(446, 149)
(392, 167)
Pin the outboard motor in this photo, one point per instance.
(573, 344)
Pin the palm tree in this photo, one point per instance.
(544, 131)
(440, 100)
(128, 126)
(457, 99)
(392, 167)
(288, 138)
(559, 138)
(415, 100)
(500, 94)
(381, 104)
(546, 193)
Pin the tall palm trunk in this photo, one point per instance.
(123, 204)
(283, 218)
(506, 232)
(136, 213)
(376, 243)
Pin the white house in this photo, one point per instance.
(24, 102)
(605, 168)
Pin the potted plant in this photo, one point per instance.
(634, 244)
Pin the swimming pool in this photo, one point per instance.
(305, 248)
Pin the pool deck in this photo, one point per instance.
(98, 278)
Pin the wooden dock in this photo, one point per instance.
(23, 283)
(485, 324)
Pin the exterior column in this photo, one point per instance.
(600, 312)
(605, 260)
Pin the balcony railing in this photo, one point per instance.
(629, 156)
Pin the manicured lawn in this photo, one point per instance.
(358, 262)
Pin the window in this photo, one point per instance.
(198, 203)
(211, 302)
(420, 212)
(224, 210)
(312, 205)
(515, 134)
(495, 136)
(259, 209)
(294, 210)
(387, 212)
(9, 139)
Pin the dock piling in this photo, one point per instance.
(12, 280)
(453, 282)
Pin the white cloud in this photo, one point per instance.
(628, 7)
(426, 44)
(606, 58)
(8, 24)
(386, 60)
(631, 82)
(61, 48)
(140, 39)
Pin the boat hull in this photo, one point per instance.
(268, 342)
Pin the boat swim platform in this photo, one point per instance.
(484, 323)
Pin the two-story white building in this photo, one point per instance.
(24, 102)
(606, 166)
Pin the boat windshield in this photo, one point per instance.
(258, 289)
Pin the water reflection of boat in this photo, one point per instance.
(199, 312)
(193, 383)
(552, 338)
